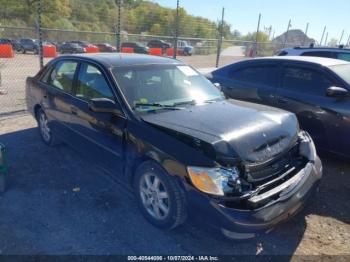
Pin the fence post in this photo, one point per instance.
(256, 38)
(325, 42)
(324, 30)
(40, 33)
(220, 38)
(118, 27)
(341, 38)
(176, 35)
(307, 28)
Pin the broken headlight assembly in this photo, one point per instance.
(216, 181)
(306, 146)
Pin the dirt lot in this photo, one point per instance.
(58, 203)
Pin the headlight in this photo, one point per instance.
(306, 146)
(215, 181)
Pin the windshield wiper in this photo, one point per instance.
(170, 107)
(191, 102)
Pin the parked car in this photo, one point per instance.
(159, 44)
(315, 89)
(29, 45)
(84, 44)
(3, 168)
(50, 42)
(336, 53)
(138, 48)
(161, 127)
(105, 47)
(71, 48)
(185, 48)
(16, 46)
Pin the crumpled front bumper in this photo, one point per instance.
(239, 223)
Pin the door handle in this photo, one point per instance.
(74, 110)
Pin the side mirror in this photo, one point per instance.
(104, 105)
(218, 86)
(335, 91)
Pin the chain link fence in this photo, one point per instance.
(198, 41)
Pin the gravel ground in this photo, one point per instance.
(58, 203)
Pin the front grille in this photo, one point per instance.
(259, 173)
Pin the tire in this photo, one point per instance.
(44, 130)
(168, 198)
(2, 183)
(36, 51)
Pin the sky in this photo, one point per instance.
(243, 14)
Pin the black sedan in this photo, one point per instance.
(316, 89)
(71, 48)
(164, 129)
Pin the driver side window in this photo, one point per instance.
(92, 83)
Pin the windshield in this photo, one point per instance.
(343, 71)
(164, 86)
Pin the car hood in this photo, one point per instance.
(230, 128)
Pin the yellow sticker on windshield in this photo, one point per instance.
(143, 100)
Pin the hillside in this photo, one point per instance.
(294, 38)
(101, 16)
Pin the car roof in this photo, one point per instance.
(316, 49)
(124, 59)
(309, 59)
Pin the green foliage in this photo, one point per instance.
(138, 16)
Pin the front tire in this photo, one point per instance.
(44, 130)
(160, 198)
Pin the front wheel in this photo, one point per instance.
(160, 198)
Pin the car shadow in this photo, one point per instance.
(56, 188)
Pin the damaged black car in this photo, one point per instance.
(166, 131)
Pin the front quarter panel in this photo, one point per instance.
(147, 142)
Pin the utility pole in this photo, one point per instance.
(220, 39)
(40, 33)
(118, 33)
(324, 30)
(341, 38)
(286, 38)
(176, 28)
(256, 38)
(306, 29)
(270, 30)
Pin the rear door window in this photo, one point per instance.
(261, 75)
(304, 80)
(62, 76)
(344, 56)
(320, 54)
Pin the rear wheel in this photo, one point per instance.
(44, 130)
(160, 198)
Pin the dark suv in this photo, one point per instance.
(159, 44)
(165, 130)
(29, 45)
